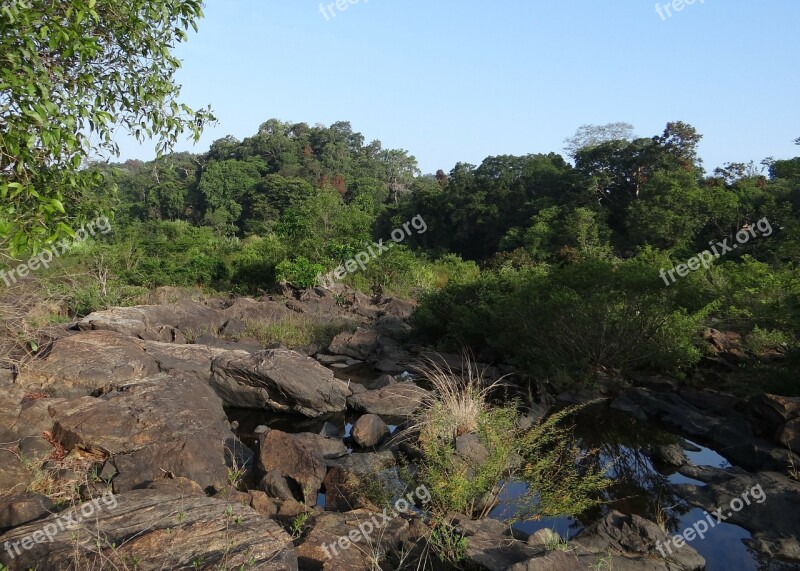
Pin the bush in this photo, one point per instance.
(300, 272)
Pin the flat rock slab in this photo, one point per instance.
(84, 363)
(401, 399)
(155, 530)
(172, 323)
(281, 380)
(164, 424)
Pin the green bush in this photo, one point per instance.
(300, 272)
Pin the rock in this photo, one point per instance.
(165, 424)
(360, 344)
(789, 434)
(157, 530)
(277, 486)
(543, 539)
(291, 508)
(635, 538)
(471, 449)
(772, 514)
(24, 508)
(722, 342)
(263, 504)
(556, 561)
(667, 455)
(400, 399)
(321, 446)
(658, 383)
(488, 544)
(713, 401)
(369, 430)
(342, 482)
(330, 430)
(776, 417)
(173, 323)
(384, 381)
(729, 431)
(182, 486)
(96, 361)
(280, 380)
(347, 541)
(288, 457)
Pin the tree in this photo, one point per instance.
(72, 74)
(588, 136)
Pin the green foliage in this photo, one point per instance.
(447, 543)
(300, 272)
(70, 74)
(295, 331)
(299, 524)
(760, 340)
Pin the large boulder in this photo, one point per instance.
(174, 323)
(95, 360)
(284, 456)
(156, 530)
(166, 424)
(280, 380)
(361, 344)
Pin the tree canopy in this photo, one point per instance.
(71, 76)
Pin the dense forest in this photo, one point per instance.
(558, 265)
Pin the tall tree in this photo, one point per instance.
(71, 74)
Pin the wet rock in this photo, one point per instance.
(288, 457)
(281, 380)
(165, 424)
(401, 399)
(772, 514)
(369, 430)
(23, 508)
(158, 530)
(632, 541)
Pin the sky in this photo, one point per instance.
(457, 81)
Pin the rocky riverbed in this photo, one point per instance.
(140, 404)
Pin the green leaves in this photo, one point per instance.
(70, 73)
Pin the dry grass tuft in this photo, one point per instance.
(458, 401)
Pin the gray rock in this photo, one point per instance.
(360, 344)
(471, 449)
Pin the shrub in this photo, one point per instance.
(300, 272)
(561, 479)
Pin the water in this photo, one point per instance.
(639, 486)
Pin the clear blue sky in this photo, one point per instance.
(461, 80)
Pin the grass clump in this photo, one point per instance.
(295, 331)
(561, 479)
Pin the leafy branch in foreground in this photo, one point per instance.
(71, 75)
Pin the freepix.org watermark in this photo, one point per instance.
(699, 528)
(63, 522)
(719, 249)
(666, 10)
(362, 258)
(45, 257)
(365, 530)
(329, 11)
